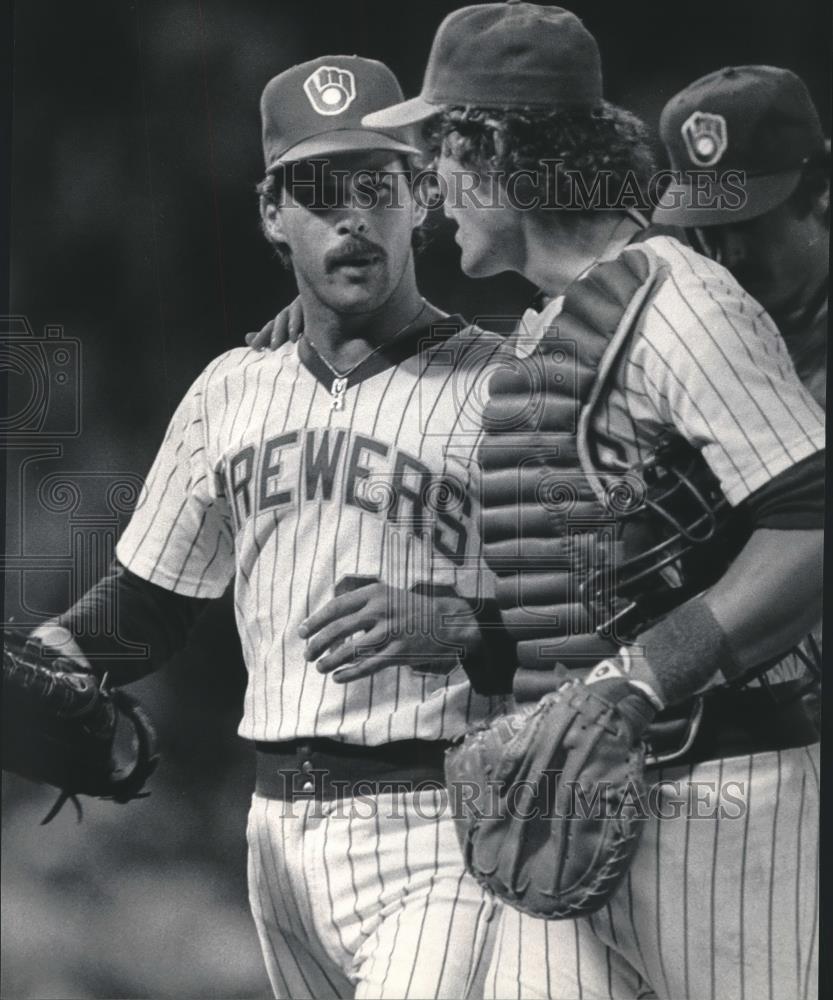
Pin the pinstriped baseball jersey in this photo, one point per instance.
(805, 333)
(708, 362)
(724, 909)
(261, 479)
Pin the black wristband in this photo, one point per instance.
(682, 653)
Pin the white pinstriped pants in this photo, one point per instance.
(352, 904)
(712, 908)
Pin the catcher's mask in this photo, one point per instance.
(677, 535)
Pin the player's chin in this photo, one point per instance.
(358, 291)
(474, 255)
(477, 265)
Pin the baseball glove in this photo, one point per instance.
(63, 726)
(549, 802)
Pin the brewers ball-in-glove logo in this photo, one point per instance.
(706, 138)
(330, 90)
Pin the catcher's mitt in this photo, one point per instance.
(548, 802)
(63, 726)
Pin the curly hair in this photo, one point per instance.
(602, 155)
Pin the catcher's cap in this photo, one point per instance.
(505, 55)
(316, 108)
(758, 120)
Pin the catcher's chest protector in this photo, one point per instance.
(544, 526)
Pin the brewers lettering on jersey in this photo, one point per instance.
(262, 481)
(332, 482)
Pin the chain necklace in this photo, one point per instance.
(338, 388)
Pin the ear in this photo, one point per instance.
(272, 223)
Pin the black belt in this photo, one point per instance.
(319, 768)
(733, 723)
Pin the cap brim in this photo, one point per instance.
(400, 115)
(701, 200)
(342, 141)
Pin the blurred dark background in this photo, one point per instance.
(134, 228)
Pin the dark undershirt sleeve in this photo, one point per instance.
(793, 500)
(142, 612)
(492, 668)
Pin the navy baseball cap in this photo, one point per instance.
(758, 120)
(504, 55)
(316, 108)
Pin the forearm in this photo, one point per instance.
(137, 613)
(771, 596)
(474, 626)
(762, 606)
(765, 603)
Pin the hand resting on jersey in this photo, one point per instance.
(378, 626)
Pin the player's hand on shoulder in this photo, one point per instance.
(377, 626)
(287, 325)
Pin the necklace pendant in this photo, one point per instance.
(337, 390)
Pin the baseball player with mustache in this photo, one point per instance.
(330, 482)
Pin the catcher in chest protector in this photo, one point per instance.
(652, 493)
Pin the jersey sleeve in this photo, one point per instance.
(716, 368)
(180, 535)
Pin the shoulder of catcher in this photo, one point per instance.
(601, 312)
(468, 338)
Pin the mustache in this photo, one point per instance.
(354, 248)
